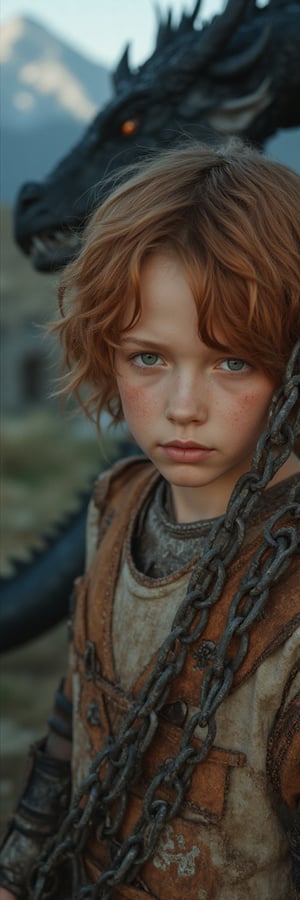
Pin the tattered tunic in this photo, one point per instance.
(227, 843)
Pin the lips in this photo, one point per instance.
(185, 451)
(186, 445)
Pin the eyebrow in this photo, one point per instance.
(142, 342)
(151, 342)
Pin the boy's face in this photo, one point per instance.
(196, 412)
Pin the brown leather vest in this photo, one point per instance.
(187, 861)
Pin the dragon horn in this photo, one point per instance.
(212, 37)
(235, 65)
(123, 72)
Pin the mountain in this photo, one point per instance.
(49, 93)
(45, 79)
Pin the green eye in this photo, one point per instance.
(235, 365)
(149, 359)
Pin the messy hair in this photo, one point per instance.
(233, 218)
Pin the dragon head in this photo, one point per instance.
(238, 74)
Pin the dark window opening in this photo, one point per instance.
(33, 378)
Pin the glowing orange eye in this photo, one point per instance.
(129, 126)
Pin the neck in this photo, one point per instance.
(290, 467)
(192, 505)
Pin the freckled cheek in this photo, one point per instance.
(251, 409)
(137, 403)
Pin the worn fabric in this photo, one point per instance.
(229, 841)
(44, 801)
(160, 545)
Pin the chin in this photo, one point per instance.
(186, 479)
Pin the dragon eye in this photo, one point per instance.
(129, 126)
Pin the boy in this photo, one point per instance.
(183, 312)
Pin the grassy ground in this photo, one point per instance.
(46, 460)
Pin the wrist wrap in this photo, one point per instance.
(43, 803)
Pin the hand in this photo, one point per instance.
(6, 895)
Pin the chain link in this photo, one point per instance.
(102, 798)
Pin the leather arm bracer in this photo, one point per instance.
(44, 802)
(293, 835)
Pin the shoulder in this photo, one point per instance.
(123, 474)
(118, 485)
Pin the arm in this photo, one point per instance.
(45, 793)
(43, 803)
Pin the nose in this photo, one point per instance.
(187, 399)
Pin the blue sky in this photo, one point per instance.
(101, 28)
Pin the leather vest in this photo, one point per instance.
(203, 853)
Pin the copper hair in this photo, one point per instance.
(232, 216)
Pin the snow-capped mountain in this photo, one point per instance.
(43, 78)
(49, 92)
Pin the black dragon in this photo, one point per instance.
(238, 74)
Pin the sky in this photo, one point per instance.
(101, 28)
